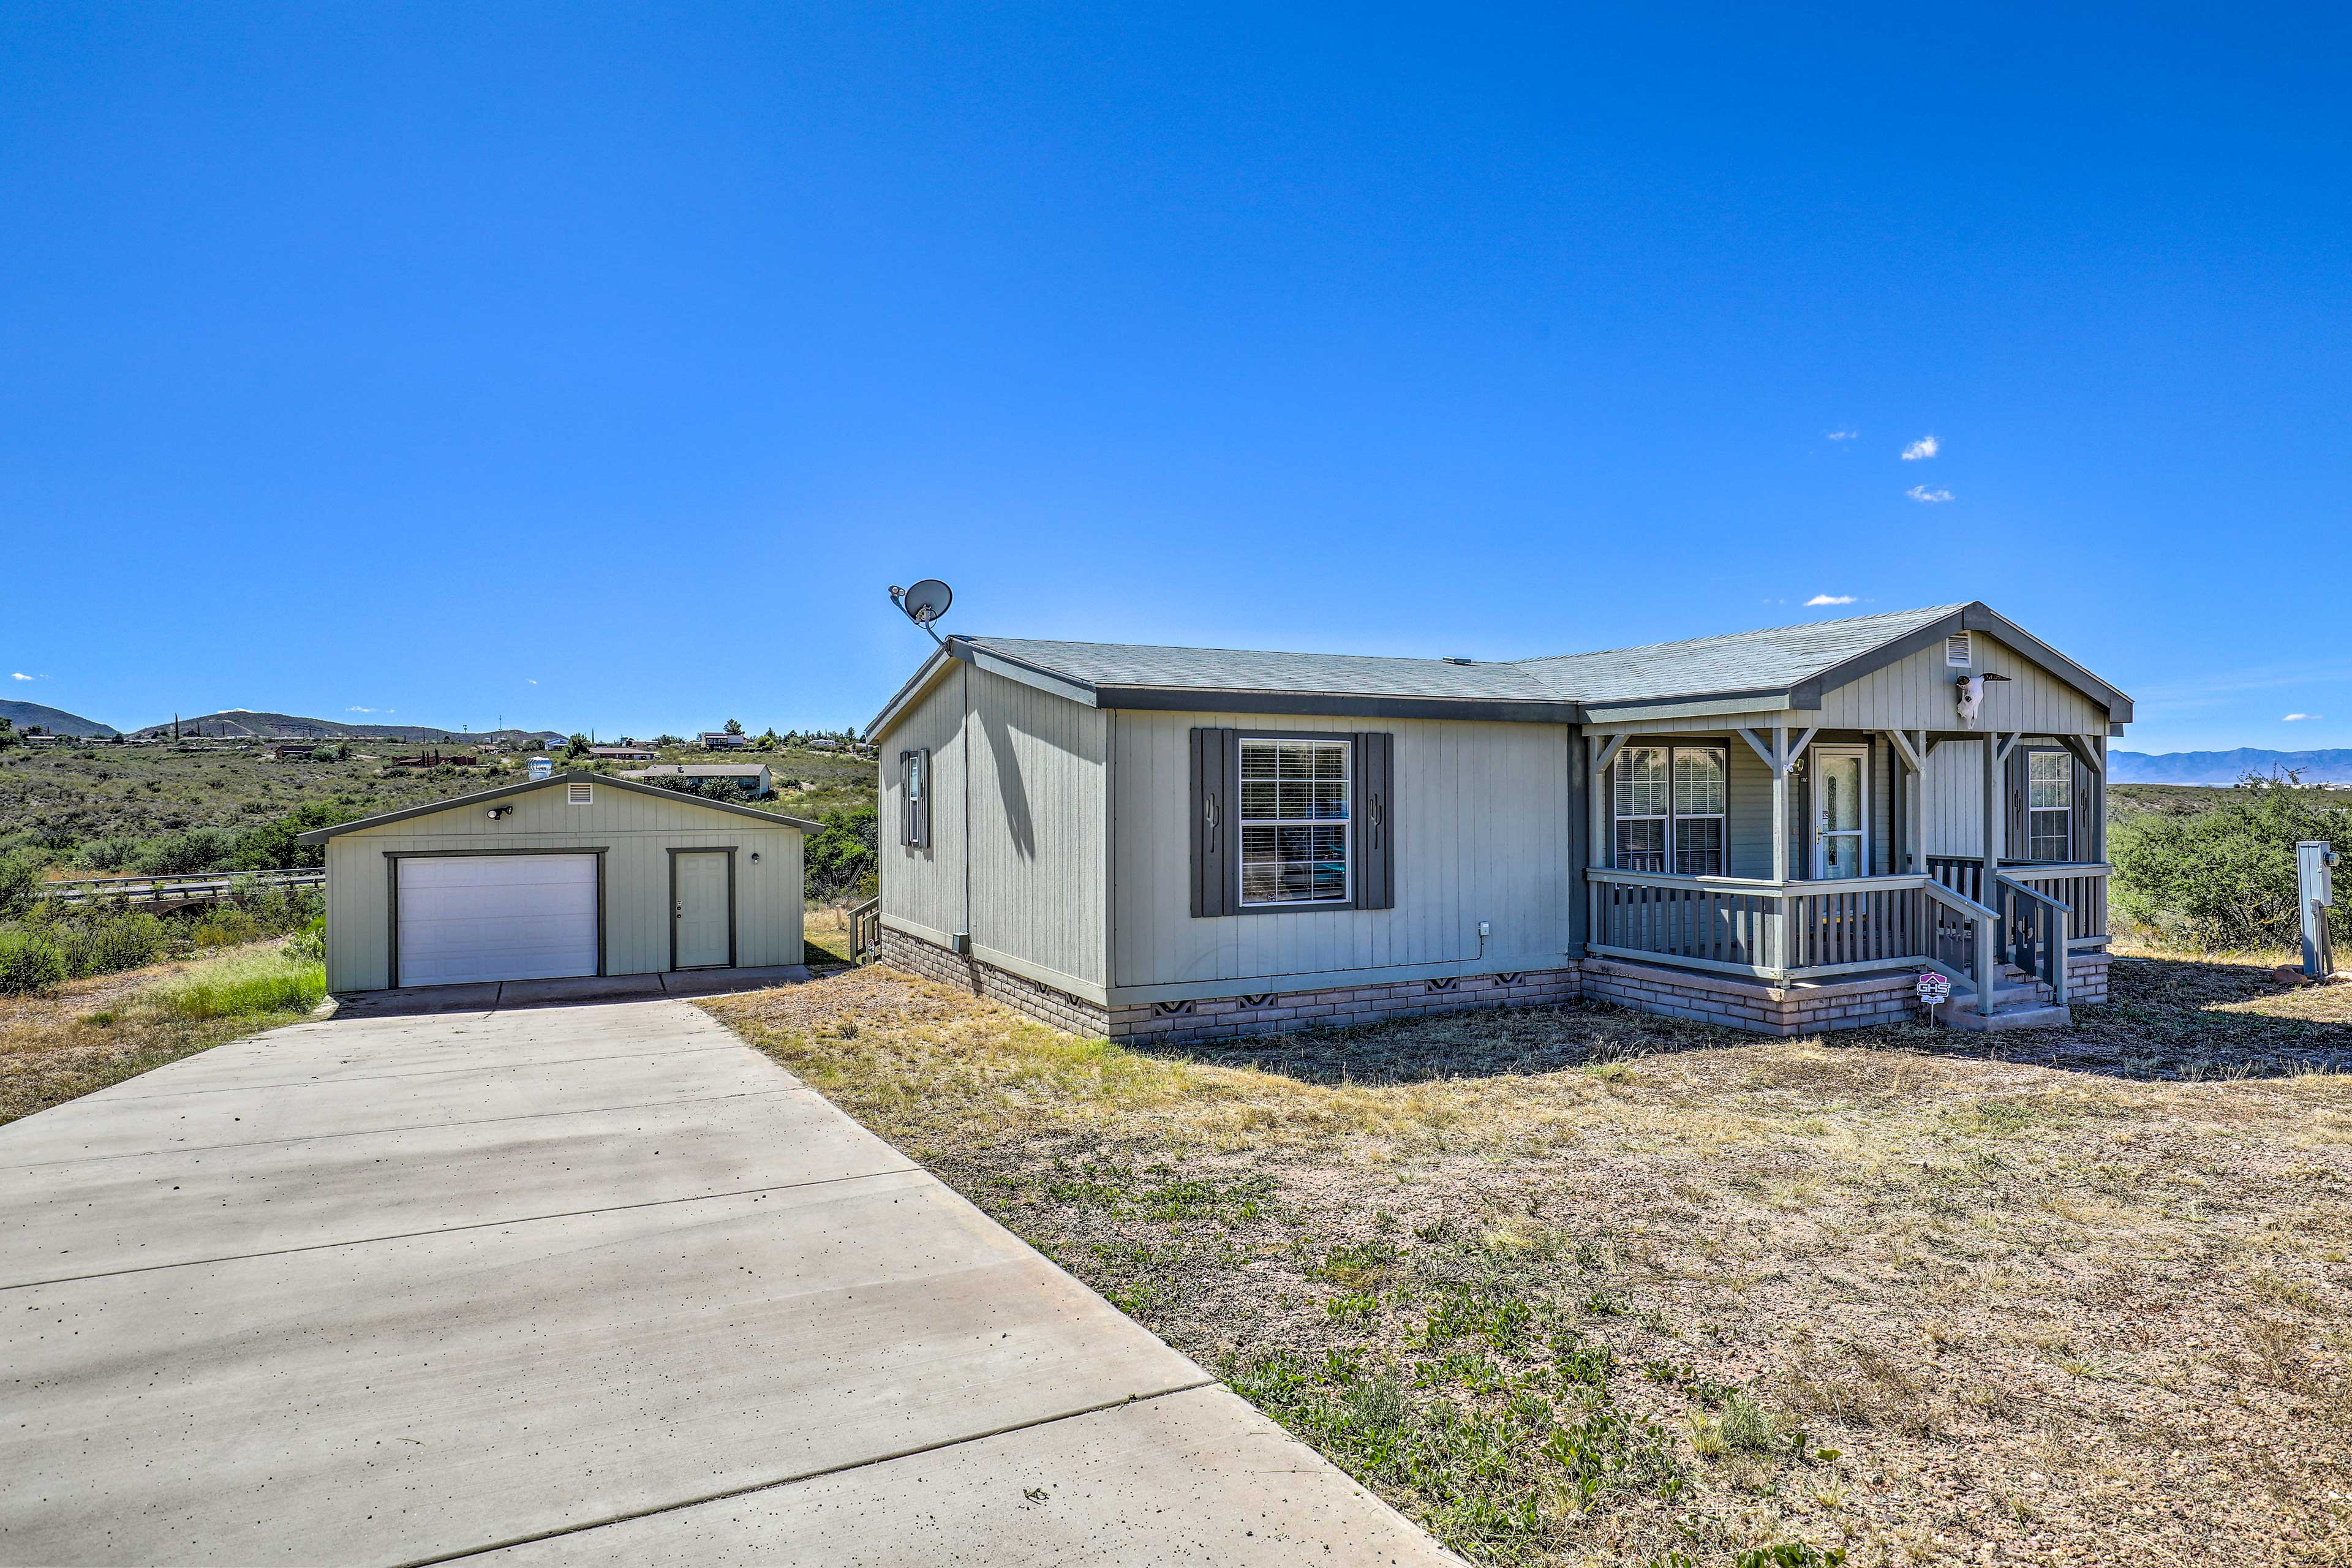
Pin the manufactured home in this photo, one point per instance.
(1781, 830)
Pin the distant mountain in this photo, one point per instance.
(244, 723)
(2228, 767)
(55, 721)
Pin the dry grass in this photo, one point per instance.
(92, 1033)
(1582, 1285)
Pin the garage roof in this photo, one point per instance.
(773, 819)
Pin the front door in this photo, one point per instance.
(701, 926)
(1841, 843)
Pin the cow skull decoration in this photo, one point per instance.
(1971, 692)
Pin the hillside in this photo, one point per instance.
(2228, 767)
(55, 721)
(247, 721)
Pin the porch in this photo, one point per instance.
(1855, 833)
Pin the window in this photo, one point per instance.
(1670, 809)
(2048, 806)
(1956, 652)
(579, 794)
(1294, 822)
(915, 781)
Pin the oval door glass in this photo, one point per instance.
(1837, 788)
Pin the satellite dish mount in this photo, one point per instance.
(924, 603)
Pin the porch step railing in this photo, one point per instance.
(865, 931)
(2080, 885)
(1801, 930)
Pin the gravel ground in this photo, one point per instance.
(1579, 1285)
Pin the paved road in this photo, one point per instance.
(593, 1283)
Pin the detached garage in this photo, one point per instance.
(575, 875)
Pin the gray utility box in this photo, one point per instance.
(2315, 876)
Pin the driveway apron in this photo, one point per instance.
(579, 1283)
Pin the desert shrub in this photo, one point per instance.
(246, 984)
(2225, 879)
(709, 789)
(124, 939)
(181, 854)
(225, 925)
(840, 858)
(113, 854)
(20, 882)
(30, 961)
(270, 845)
(308, 945)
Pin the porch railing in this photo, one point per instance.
(865, 931)
(2080, 885)
(1803, 930)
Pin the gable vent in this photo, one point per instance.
(578, 794)
(1956, 650)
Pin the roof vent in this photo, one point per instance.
(1451, 659)
(1956, 650)
(579, 793)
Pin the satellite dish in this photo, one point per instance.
(926, 602)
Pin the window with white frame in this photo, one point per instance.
(2048, 806)
(1294, 820)
(915, 789)
(1671, 801)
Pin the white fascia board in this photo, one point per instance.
(1597, 715)
(1044, 680)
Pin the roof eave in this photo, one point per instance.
(573, 775)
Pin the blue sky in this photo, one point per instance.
(601, 365)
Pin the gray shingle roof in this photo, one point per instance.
(1102, 664)
(1774, 659)
(1771, 659)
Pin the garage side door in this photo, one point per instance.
(497, 917)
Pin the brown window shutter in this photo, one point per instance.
(1217, 768)
(1374, 810)
(2014, 845)
(2082, 843)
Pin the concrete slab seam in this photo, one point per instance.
(379, 1131)
(624, 1517)
(454, 1229)
(425, 1072)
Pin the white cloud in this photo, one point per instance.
(358, 709)
(18, 675)
(1831, 599)
(2299, 718)
(1843, 435)
(527, 681)
(1925, 447)
(1921, 492)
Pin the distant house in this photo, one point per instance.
(822, 744)
(750, 777)
(622, 753)
(294, 751)
(1777, 830)
(720, 741)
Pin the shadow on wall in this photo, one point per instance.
(1009, 785)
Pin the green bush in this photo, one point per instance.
(186, 852)
(841, 856)
(270, 845)
(247, 983)
(123, 940)
(2225, 879)
(30, 961)
(20, 882)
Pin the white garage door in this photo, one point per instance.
(497, 917)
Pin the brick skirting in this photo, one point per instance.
(1730, 1000)
(1803, 1008)
(1289, 1012)
(1041, 1003)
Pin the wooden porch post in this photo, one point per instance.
(1911, 778)
(1991, 846)
(1604, 749)
(1780, 803)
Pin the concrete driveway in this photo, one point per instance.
(591, 1283)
